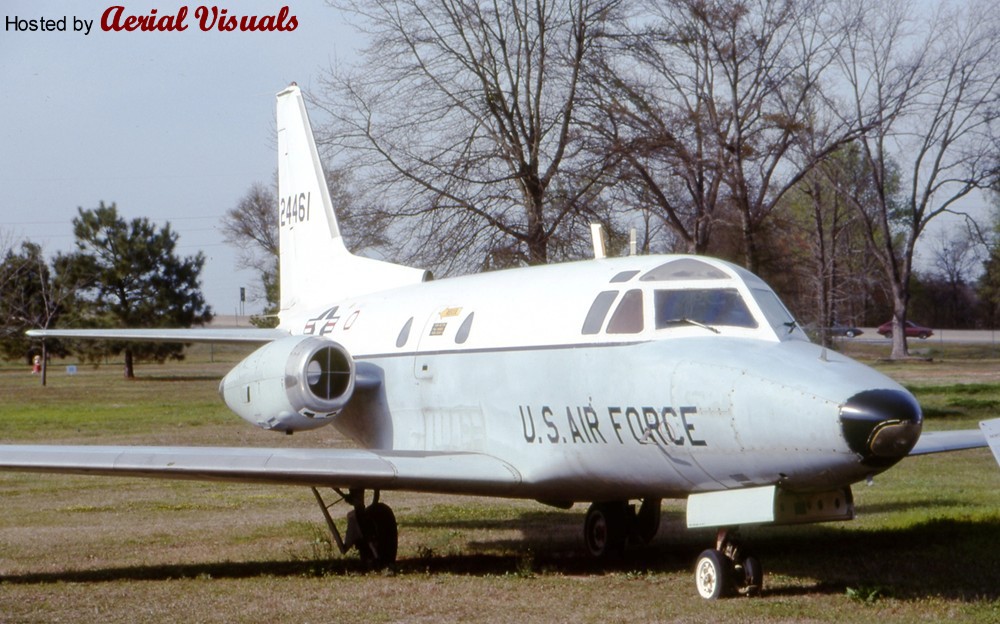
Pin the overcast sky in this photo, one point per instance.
(170, 126)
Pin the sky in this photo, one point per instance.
(172, 126)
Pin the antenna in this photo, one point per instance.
(600, 244)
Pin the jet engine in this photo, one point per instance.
(293, 384)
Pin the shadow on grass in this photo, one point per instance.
(952, 559)
(223, 570)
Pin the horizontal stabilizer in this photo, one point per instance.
(251, 335)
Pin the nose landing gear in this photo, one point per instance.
(727, 570)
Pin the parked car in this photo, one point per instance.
(912, 330)
(845, 330)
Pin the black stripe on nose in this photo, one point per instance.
(881, 425)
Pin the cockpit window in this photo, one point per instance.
(598, 311)
(777, 315)
(701, 306)
(683, 269)
(627, 318)
(624, 276)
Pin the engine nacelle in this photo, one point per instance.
(292, 384)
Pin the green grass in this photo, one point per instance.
(924, 547)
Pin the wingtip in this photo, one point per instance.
(991, 429)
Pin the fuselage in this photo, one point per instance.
(651, 376)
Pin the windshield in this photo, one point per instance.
(777, 314)
(705, 306)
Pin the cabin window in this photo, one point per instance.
(463, 331)
(683, 269)
(404, 334)
(598, 311)
(627, 318)
(708, 306)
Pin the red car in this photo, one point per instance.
(912, 330)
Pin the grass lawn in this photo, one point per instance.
(925, 545)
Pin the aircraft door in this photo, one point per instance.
(452, 417)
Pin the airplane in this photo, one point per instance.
(607, 381)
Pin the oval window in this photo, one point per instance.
(463, 332)
(404, 334)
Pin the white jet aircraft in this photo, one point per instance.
(604, 382)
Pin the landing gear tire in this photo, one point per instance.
(712, 574)
(605, 529)
(380, 536)
(725, 570)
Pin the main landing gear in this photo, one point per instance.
(727, 570)
(722, 571)
(371, 528)
(719, 572)
(609, 526)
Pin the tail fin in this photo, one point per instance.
(315, 266)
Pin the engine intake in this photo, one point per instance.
(293, 384)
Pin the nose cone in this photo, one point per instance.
(881, 425)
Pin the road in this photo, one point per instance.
(950, 336)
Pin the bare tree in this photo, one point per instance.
(988, 288)
(30, 298)
(708, 102)
(466, 116)
(956, 256)
(836, 273)
(943, 293)
(930, 94)
(251, 226)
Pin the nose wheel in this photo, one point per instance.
(727, 570)
(712, 574)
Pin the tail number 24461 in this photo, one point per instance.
(294, 209)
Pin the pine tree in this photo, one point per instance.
(132, 277)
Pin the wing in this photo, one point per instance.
(253, 335)
(988, 434)
(458, 473)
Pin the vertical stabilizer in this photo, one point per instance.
(315, 266)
